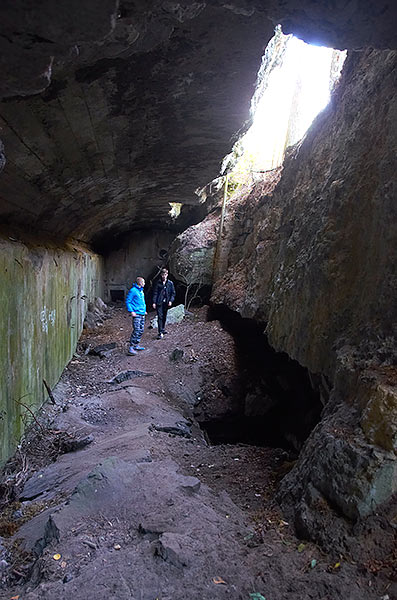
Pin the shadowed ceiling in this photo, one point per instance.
(111, 111)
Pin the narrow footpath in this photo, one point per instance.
(122, 496)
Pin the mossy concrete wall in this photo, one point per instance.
(44, 293)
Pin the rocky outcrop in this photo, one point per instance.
(348, 466)
(313, 260)
(97, 312)
(335, 25)
(317, 253)
(192, 254)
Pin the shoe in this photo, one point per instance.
(165, 332)
(139, 348)
(160, 336)
(131, 351)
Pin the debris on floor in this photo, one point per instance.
(141, 506)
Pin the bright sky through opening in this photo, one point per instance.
(296, 91)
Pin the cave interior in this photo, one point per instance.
(113, 112)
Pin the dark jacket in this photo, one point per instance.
(163, 292)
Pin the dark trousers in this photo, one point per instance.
(162, 310)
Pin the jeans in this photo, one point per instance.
(162, 310)
(138, 324)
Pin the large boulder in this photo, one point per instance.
(174, 315)
(193, 252)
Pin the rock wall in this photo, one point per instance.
(314, 262)
(316, 258)
(44, 294)
(192, 254)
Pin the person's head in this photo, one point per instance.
(164, 273)
(140, 281)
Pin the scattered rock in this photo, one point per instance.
(176, 355)
(96, 414)
(103, 351)
(153, 529)
(170, 548)
(89, 543)
(51, 533)
(71, 445)
(124, 375)
(143, 456)
(180, 428)
(3, 560)
(3, 566)
(191, 485)
(97, 312)
(39, 483)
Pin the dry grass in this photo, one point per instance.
(40, 446)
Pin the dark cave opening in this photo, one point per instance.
(117, 295)
(280, 402)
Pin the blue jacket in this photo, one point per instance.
(135, 300)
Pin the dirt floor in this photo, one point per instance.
(118, 494)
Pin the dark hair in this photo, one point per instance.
(164, 270)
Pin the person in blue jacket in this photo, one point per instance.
(136, 306)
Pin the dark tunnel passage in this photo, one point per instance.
(280, 402)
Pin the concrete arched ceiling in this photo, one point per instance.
(111, 111)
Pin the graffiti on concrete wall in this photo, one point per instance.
(47, 317)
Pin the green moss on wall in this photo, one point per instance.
(44, 294)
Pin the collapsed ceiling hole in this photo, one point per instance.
(280, 403)
(294, 84)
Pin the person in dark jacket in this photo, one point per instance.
(163, 297)
(136, 306)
